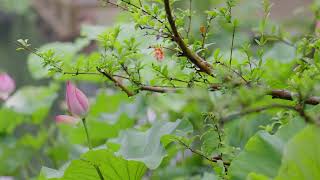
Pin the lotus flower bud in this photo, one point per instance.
(7, 86)
(77, 101)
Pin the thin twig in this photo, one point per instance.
(81, 73)
(255, 110)
(213, 159)
(232, 44)
(234, 71)
(116, 82)
(190, 18)
(158, 89)
(205, 34)
(90, 148)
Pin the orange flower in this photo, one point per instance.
(158, 54)
(203, 29)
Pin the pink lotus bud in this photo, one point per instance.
(77, 101)
(67, 119)
(7, 86)
(318, 24)
(318, 28)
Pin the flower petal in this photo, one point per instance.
(67, 119)
(7, 86)
(82, 99)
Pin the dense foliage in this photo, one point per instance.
(178, 91)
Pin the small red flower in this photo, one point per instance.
(203, 29)
(158, 54)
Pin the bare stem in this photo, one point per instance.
(90, 148)
(87, 133)
(232, 43)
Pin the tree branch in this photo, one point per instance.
(194, 58)
(116, 82)
(232, 44)
(276, 94)
(255, 110)
(213, 159)
(158, 89)
(287, 95)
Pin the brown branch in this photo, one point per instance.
(276, 94)
(158, 89)
(287, 95)
(116, 82)
(194, 58)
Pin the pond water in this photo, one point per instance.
(12, 28)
